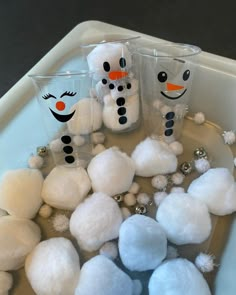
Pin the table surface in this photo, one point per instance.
(29, 29)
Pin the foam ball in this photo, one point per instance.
(125, 213)
(229, 137)
(220, 197)
(101, 276)
(64, 188)
(184, 221)
(111, 172)
(98, 149)
(177, 178)
(176, 147)
(35, 162)
(159, 181)
(199, 118)
(110, 250)
(78, 140)
(45, 211)
(20, 192)
(205, 262)
(6, 282)
(134, 189)
(60, 222)
(142, 243)
(158, 160)
(202, 165)
(56, 145)
(130, 199)
(159, 197)
(143, 198)
(172, 252)
(177, 277)
(96, 221)
(98, 137)
(87, 117)
(53, 267)
(18, 236)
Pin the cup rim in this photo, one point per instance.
(122, 40)
(81, 73)
(194, 50)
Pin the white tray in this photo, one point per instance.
(214, 87)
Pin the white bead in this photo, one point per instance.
(98, 137)
(60, 222)
(35, 162)
(110, 250)
(159, 197)
(199, 118)
(176, 147)
(78, 140)
(172, 252)
(229, 137)
(45, 211)
(177, 189)
(129, 199)
(177, 178)
(143, 198)
(56, 145)
(134, 189)
(125, 213)
(202, 165)
(205, 262)
(159, 181)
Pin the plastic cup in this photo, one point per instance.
(67, 125)
(166, 76)
(116, 82)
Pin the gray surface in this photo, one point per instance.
(29, 29)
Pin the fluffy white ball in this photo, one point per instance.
(158, 160)
(159, 181)
(220, 197)
(134, 189)
(35, 162)
(176, 147)
(78, 140)
(143, 198)
(177, 178)
(202, 165)
(20, 192)
(56, 145)
(142, 243)
(53, 267)
(199, 118)
(18, 236)
(111, 172)
(101, 276)
(110, 250)
(205, 262)
(6, 282)
(98, 149)
(60, 222)
(87, 117)
(159, 197)
(96, 221)
(130, 199)
(64, 188)
(184, 219)
(125, 212)
(229, 137)
(98, 137)
(45, 211)
(177, 277)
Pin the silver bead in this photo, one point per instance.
(186, 168)
(140, 209)
(200, 153)
(118, 198)
(42, 151)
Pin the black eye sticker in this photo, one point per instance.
(47, 96)
(162, 77)
(122, 62)
(186, 75)
(106, 66)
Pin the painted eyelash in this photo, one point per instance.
(47, 96)
(70, 93)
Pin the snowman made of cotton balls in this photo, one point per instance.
(116, 88)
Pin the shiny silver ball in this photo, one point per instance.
(118, 198)
(140, 209)
(186, 168)
(42, 151)
(200, 153)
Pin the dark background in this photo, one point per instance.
(29, 28)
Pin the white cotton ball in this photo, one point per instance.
(96, 221)
(134, 189)
(165, 109)
(180, 110)
(199, 118)
(177, 189)
(177, 178)
(137, 287)
(60, 222)
(159, 197)
(87, 117)
(45, 211)
(159, 181)
(53, 267)
(157, 104)
(78, 140)
(111, 172)
(101, 276)
(3, 212)
(229, 137)
(130, 199)
(143, 198)
(177, 277)
(98, 149)
(65, 187)
(18, 236)
(56, 145)
(185, 220)
(6, 282)
(125, 88)
(142, 243)
(158, 160)
(205, 262)
(217, 189)
(176, 147)
(98, 137)
(172, 252)
(20, 192)
(202, 165)
(125, 213)
(35, 162)
(110, 250)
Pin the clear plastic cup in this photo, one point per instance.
(166, 75)
(116, 82)
(67, 114)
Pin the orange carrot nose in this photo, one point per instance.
(117, 75)
(172, 87)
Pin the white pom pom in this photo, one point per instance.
(56, 145)
(35, 162)
(45, 211)
(177, 178)
(125, 213)
(202, 165)
(205, 262)
(137, 287)
(235, 162)
(110, 250)
(159, 181)
(176, 147)
(143, 198)
(98, 137)
(129, 199)
(98, 149)
(6, 282)
(199, 118)
(177, 189)
(134, 188)
(159, 197)
(229, 137)
(78, 140)
(60, 222)
(157, 104)
(165, 109)
(172, 252)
